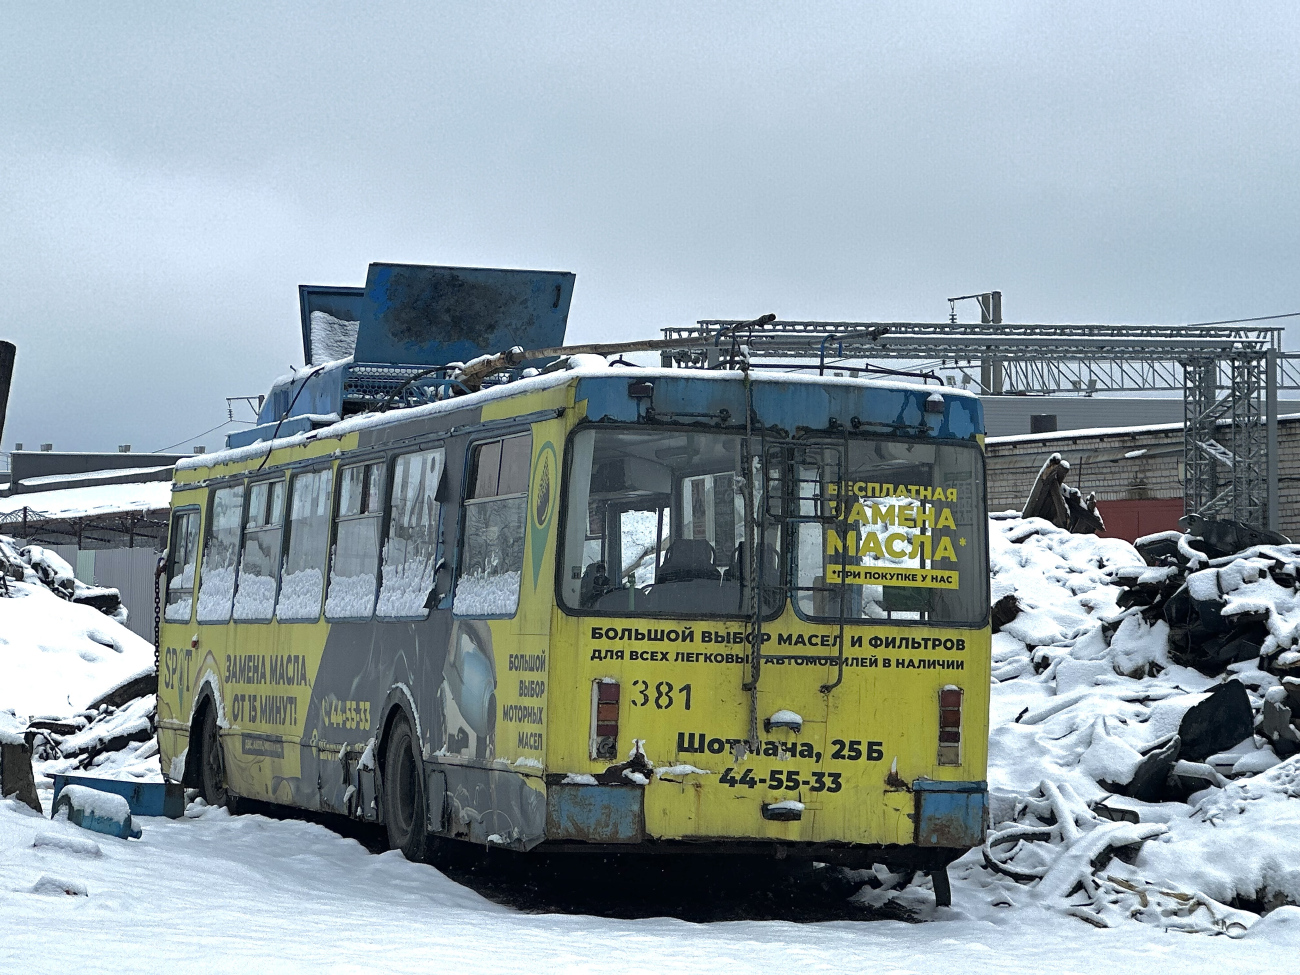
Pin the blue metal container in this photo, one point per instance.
(145, 798)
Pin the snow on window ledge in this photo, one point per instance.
(487, 595)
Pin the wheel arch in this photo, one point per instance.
(398, 701)
(205, 699)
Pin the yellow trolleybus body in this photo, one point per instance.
(605, 609)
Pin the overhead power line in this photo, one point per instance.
(1242, 321)
(198, 435)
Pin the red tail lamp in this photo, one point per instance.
(950, 725)
(604, 718)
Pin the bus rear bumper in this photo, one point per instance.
(595, 813)
(950, 814)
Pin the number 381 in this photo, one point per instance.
(661, 695)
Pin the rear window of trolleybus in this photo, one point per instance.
(655, 525)
(891, 530)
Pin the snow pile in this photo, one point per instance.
(74, 682)
(216, 592)
(404, 591)
(350, 597)
(57, 656)
(1125, 783)
(255, 598)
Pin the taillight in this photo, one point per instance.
(950, 725)
(604, 718)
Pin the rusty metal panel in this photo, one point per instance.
(950, 814)
(425, 315)
(595, 813)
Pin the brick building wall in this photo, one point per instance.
(1135, 472)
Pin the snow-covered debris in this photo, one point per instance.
(57, 657)
(1052, 499)
(53, 886)
(1114, 763)
(73, 680)
(117, 728)
(50, 567)
(37, 564)
(59, 840)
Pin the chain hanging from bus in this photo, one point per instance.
(542, 602)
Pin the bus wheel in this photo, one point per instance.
(404, 812)
(212, 766)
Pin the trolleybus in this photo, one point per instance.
(597, 609)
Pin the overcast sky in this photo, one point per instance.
(170, 173)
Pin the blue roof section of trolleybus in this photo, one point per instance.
(786, 401)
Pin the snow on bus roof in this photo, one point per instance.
(587, 370)
(103, 499)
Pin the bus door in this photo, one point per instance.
(674, 567)
(888, 566)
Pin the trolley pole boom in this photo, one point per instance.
(474, 373)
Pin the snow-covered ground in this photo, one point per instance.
(249, 894)
(1084, 691)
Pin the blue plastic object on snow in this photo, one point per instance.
(143, 798)
(102, 812)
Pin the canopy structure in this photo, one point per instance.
(104, 516)
(1229, 375)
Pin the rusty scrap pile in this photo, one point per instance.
(1065, 507)
(114, 729)
(1139, 684)
(33, 563)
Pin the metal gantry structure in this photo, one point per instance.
(1229, 376)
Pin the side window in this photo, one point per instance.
(492, 549)
(220, 555)
(354, 569)
(182, 559)
(259, 566)
(309, 540)
(411, 549)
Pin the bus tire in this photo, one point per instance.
(212, 765)
(404, 800)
